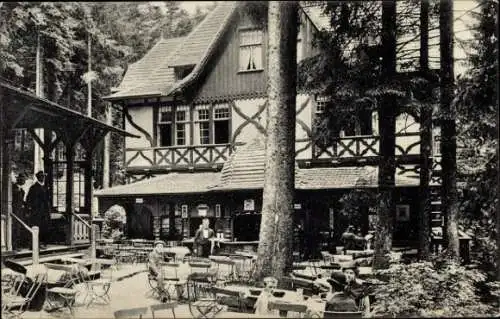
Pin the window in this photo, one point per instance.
(300, 45)
(250, 50)
(212, 127)
(221, 124)
(165, 126)
(321, 102)
(173, 131)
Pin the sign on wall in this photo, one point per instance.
(249, 205)
(202, 210)
(184, 210)
(139, 200)
(217, 211)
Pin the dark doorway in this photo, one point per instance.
(139, 223)
(247, 227)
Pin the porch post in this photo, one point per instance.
(70, 152)
(88, 182)
(5, 177)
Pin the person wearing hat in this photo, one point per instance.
(202, 238)
(355, 287)
(337, 299)
(37, 203)
(154, 263)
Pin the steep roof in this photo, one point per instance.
(317, 17)
(197, 43)
(151, 75)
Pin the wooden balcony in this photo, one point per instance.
(192, 157)
(365, 149)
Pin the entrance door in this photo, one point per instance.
(140, 224)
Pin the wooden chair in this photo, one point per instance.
(65, 292)
(285, 307)
(239, 295)
(130, 313)
(342, 314)
(164, 306)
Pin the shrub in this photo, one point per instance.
(427, 290)
(114, 221)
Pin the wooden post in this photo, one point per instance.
(70, 152)
(107, 150)
(35, 247)
(93, 253)
(5, 177)
(88, 182)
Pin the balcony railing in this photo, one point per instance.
(178, 157)
(407, 144)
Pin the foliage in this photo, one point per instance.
(114, 222)
(476, 103)
(427, 289)
(355, 205)
(120, 33)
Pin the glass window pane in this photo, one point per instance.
(166, 116)
(180, 116)
(249, 37)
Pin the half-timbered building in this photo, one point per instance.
(198, 104)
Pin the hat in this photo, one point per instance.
(337, 280)
(160, 242)
(40, 173)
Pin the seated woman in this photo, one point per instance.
(154, 263)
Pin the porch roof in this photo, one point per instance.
(23, 109)
(172, 183)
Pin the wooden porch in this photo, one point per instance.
(20, 109)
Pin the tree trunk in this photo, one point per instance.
(387, 127)
(424, 230)
(448, 130)
(276, 229)
(107, 149)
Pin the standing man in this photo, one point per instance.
(37, 203)
(202, 238)
(21, 238)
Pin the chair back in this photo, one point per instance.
(130, 313)
(287, 306)
(342, 314)
(37, 282)
(170, 270)
(197, 266)
(164, 306)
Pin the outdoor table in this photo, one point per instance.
(179, 252)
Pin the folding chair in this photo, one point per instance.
(239, 295)
(16, 304)
(65, 293)
(203, 303)
(130, 313)
(99, 289)
(164, 306)
(342, 315)
(285, 307)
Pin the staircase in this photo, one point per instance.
(49, 254)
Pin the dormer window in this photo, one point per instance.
(251, 50)
(182, 71)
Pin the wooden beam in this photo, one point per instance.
(70, 152)
(19, 117)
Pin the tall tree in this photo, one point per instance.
(275, 245)
(387, 103)
(448, 130)
(426, 140)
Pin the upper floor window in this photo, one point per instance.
(173, 125)
(300, 44)
(212, 124)
(251, 50)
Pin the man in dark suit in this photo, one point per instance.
(37, 203)
(21, 235)
(202, 238)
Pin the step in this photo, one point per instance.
(48, 259)
(437, 202)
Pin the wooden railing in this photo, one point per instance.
(81, 229)
(178, 157)
(407, 144)
(34, 231)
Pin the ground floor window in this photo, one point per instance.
(247, 227)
